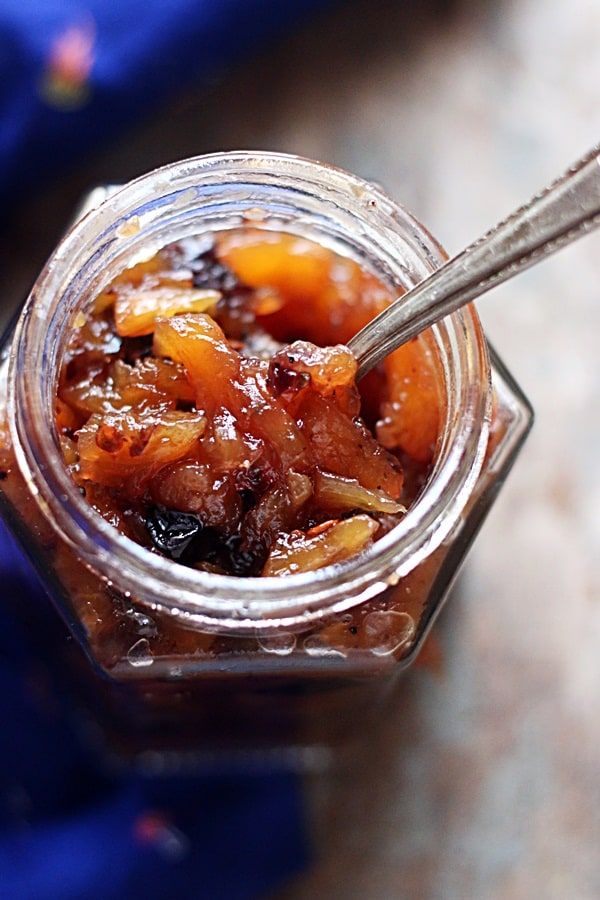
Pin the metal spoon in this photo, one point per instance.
(567, 209)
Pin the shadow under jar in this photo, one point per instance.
(183, 660)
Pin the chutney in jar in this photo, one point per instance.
(207, 406)
(250, 548)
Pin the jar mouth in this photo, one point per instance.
(129, 222)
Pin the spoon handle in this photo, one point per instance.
(562, 212)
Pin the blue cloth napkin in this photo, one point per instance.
(74, 73)
(72, 829)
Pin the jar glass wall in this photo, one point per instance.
(210, 660)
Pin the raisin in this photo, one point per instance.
(134, 348)
(241, 560)
(210, 274)
(206, 547)
(171, 531)
(252, 483)
(283, 381)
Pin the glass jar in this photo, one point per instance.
(187, 659)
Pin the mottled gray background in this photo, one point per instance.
(485, 783)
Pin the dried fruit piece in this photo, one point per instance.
(345, 447)
(210, 274)
(410, 416)
(137, 311)
(193, 487)
(327, 298)
(334, 492)
(126, 449)
(226, 447)
(172, 531)
(328, 368)
(296, 267)
(268, 418)
(196, 341)
(331, 371)
(150, 380)
(276, 512)
(300, 489)
(295, 552)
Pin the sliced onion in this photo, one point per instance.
(136, 313)
(296, 552)
(335, 492)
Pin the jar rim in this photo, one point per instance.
(222, 602)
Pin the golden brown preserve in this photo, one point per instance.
(207, 407)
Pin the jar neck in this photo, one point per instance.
(216, 192)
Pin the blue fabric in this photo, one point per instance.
(70, 829)
(74, 73)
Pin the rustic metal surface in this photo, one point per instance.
(485, 782)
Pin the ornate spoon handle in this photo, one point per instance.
(567, 209)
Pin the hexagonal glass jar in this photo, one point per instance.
(184, 659)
